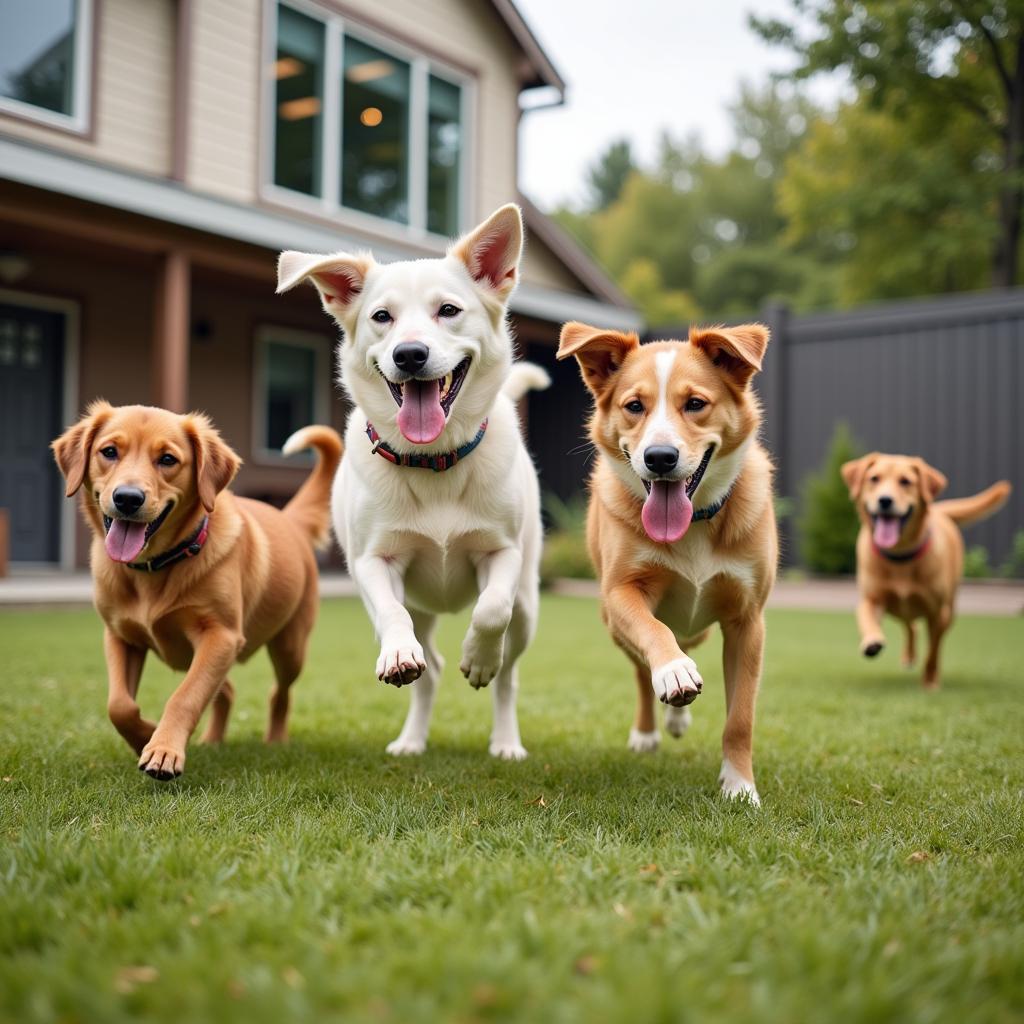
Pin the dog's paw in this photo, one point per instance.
(406, 746)
(161, 761)
(872, 648)
(677, 721)
(678, 683)
(644, 742)
(481, 656)
(736, 787)
(507, 750)
(401, 663)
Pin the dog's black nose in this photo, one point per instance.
(661, 458)
(128, 500)
(884, 503)
(411, 356)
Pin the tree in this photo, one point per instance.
(907, 55)
(608, 174)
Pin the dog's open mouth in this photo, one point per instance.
(125, 538)
(668, 510)
(424, 405)
(887, 528)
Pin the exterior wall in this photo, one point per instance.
(542, 267)
(132, 97)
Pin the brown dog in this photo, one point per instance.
(188, 570)
(910, 554)
(681, 527)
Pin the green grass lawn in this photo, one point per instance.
(883, 879)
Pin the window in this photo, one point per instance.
(361, 125)
(292, 383)
(43, 60)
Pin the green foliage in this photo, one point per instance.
(828, 522)
(1013, 567)
(565, 544)
(661, 306)
(321, 880)
(608, 174)
(976, 563)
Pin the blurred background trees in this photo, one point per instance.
(912, 185)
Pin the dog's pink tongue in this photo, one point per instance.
(125, 540)
(667, 511)
(421, 418)
(887, 532)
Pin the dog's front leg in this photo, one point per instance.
(742, 658)
(498, 577)
(124, 670)
(869, 621)
(215, 649)
(401, 658)
(674, 676)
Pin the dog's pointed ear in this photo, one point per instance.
(492, 250)
(339, 278)
(73, 448)
(933, 482)
(738, 351)
(600, 353)
(215, 461)
(854, 472)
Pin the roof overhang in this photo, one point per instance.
(538, 71)
(164, 200)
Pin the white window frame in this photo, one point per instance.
(421, 67)
(321, 347)
(81, 87)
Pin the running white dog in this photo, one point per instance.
(436, 502)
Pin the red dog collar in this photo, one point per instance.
(188, 548)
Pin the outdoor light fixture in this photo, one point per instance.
(288, 67)
(370, 70)
(296, 110)
(13, 266)
(371, 117)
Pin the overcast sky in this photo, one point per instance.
(634, 67)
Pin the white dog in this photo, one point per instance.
(436, 502)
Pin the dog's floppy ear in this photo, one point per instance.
(491, 251)
(339, 278)
(73, 448)
(933, 483)
(736, 350)
(215, 462)
(600, 353)
(854, 472)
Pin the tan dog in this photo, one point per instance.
(188, 570)
(910, 554)
(681, 526)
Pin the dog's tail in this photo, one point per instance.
(525, 377)
(968, 511)
(311, 505)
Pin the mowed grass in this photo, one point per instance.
(883, 879)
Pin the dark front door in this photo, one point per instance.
(31, 400)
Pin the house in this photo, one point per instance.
(156, 154)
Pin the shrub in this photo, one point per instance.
(565, 546)
(976, 565)
(828, 520)
(1013, 567)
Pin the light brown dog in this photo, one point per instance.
(910, 554)
(681, 526)
(186, 569)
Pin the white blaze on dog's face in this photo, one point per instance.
(426, 348)
(892, 493)
(673, 416)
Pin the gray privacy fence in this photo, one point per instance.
(941, 378)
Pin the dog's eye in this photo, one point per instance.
(448, 310)
(167, 459)
(874, 479)
(110, 452)
(382, 316)
(694, 404)
(904, 482)
(636, 406)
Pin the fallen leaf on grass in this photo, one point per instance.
(292, 977)
(128, 979)
(854, 800)
(586, 965)
(623, 911)
(650, 869)
(919, 857)
(539, 802)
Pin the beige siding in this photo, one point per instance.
(133, 99)
(543, 267)
(224, 131)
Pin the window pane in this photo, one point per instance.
(375, 132)
(37, 53)
(299, 74)
(444, 147)
(290, 383)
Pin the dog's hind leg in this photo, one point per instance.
(909, 645)
(505, 740)
(937, 627)
(644, 736)
(413, 737)
(287, 654)
(219, 714)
